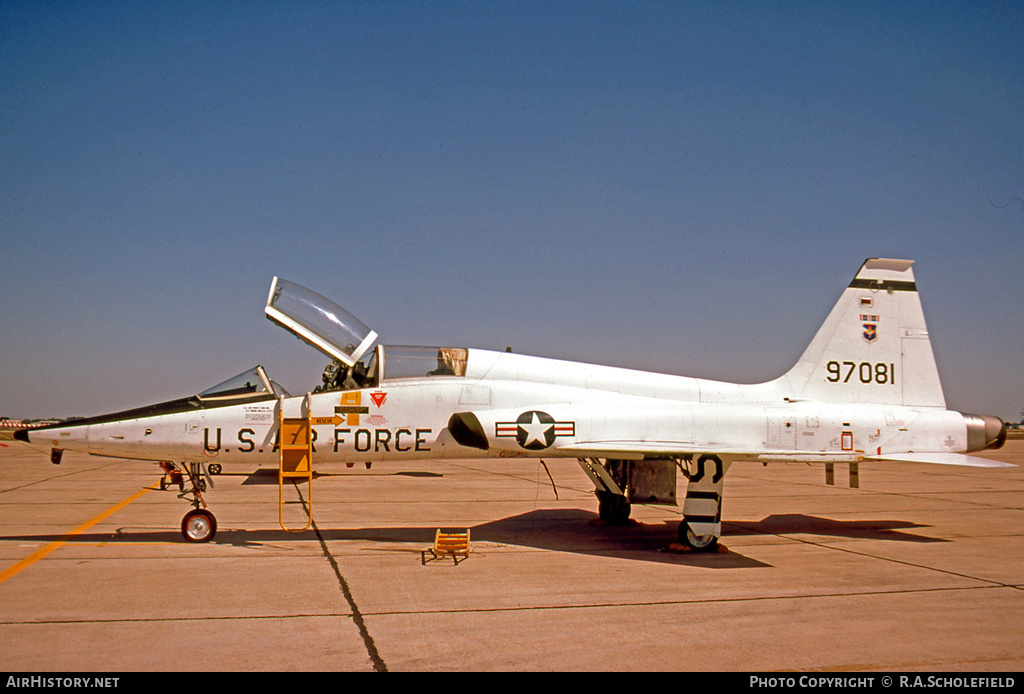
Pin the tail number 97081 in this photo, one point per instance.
(881, 373)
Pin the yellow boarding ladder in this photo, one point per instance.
(295, 432)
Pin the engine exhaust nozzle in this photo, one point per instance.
(984, 431)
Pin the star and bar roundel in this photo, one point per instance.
(534, 430)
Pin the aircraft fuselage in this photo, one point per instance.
(599, 412)
(866, 388)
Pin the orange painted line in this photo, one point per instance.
(36, 556)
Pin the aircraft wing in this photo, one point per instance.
(640, 449)
(942, 459)
(637, 449)
(536, 430)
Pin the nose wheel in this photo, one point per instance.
(199, 525)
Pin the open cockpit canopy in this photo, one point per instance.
(320, 322)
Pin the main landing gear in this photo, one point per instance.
(614, 509)
(702, 510)
(619, 482)
(199, 524)
(698, 543)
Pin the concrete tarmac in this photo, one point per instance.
(920, 569)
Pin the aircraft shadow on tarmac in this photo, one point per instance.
(269, 476)
(563, 530)
(799, 524)
(560, 530)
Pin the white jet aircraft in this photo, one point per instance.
(866, 388)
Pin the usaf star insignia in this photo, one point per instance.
(534, 430)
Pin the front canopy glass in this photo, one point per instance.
(248, 383)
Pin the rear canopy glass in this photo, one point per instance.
(417, 362)
(319, 321)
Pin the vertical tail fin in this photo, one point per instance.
(874, 345)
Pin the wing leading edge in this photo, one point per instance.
(651, 449)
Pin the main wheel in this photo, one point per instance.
(613, 509)
(199, 525)
(698, 543)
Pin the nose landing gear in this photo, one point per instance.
(199, 524)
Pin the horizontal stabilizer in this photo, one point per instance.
(943, 459)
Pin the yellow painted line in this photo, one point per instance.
(32, 559)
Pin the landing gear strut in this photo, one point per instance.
(199, 524)
(611, 486)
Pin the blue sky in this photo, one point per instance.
(681, 187)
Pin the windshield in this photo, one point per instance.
(251, 382)
(318, 321)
